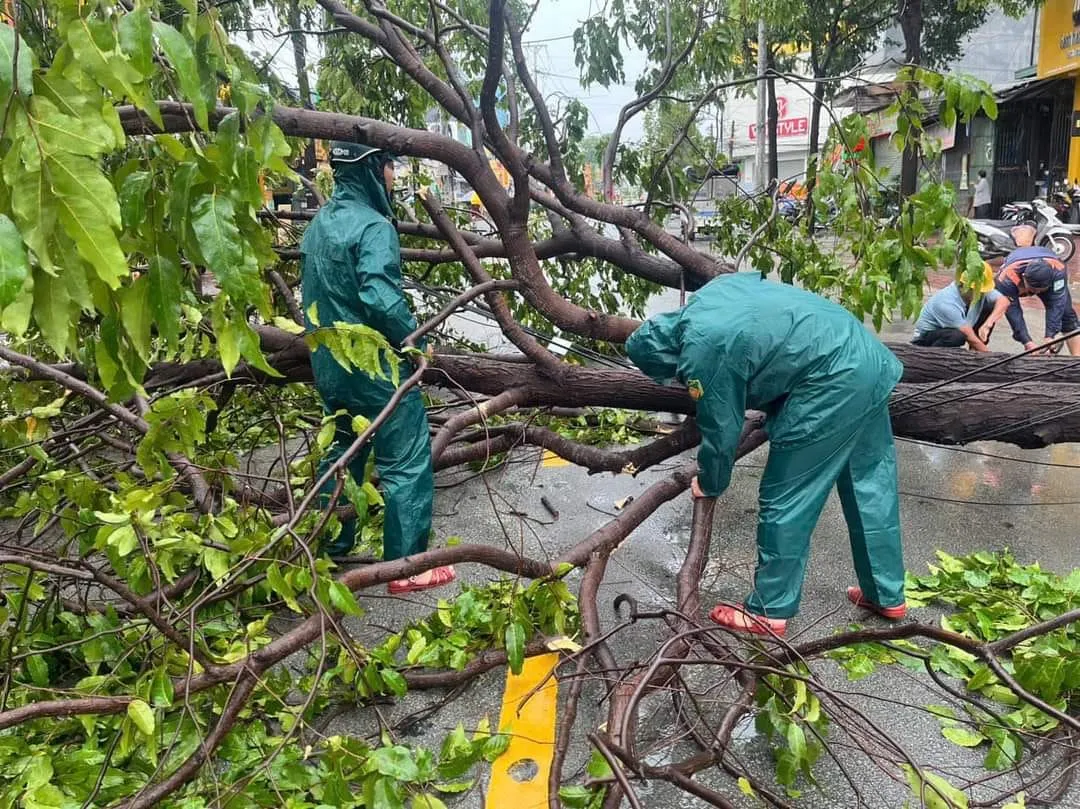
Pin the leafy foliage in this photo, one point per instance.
(791, 714)
(991, 596)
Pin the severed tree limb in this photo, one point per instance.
(528, 344)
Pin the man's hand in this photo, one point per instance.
(984, 334)
(695, 488)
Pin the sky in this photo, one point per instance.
(549, 46)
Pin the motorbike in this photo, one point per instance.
(995, 238)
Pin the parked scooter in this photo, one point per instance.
(995, 238)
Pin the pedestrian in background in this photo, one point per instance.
(981, 200)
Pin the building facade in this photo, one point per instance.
(1059, 60)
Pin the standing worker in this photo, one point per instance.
(824, 382)
(951, 319)
(351, 263)
(1030, 270)
(981, 200)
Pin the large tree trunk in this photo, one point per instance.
(977, 408)
(911, 23)
(299, 45)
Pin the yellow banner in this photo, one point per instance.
(1059, 37)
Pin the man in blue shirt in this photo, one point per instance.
(1030, 270)
(950, 318)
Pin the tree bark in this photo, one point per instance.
(911, 23)
(774, 122)
(958, 413)
(816, 103)
(762, 92)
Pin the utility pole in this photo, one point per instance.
(762, 92)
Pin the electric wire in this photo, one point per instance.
(995, 364)
(1073, 363)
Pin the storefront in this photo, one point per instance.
(1059, 58)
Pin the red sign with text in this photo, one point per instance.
(786, 128)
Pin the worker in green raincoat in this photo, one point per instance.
(351, 263)
(823, 382)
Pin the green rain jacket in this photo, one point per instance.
(351, 260)
(746, 343)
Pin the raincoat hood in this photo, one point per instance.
(654, 347)
(363, 182)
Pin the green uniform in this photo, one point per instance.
(351, 261)
(824, 383)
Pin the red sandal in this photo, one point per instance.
(439, 577)
(855, 596)
(739, 620)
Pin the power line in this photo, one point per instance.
(993, 455)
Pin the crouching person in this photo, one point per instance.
(824, 383)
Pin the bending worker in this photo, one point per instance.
(351, 261)
(1031, 270)
(950, 319)
(824, 383)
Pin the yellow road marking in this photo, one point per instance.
(532, 738)
(549, 458)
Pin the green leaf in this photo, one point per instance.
(598, 766)
(164, 276)
(745, 787)
(395, 682)
(228, 345)
(142, 715)
(496, 746)
(859, 666)
(281, 587)
(455, 787)
(217, 562)
(515, 647)
(133, 193)
(23, 69)
(933, 790)
(52, 310)
(213, 220)
(38, 670)
(88, 135)
(288, 324)
(88, 210)
(161, 689)
(177, 50)
(963, 736)
(426, 801)
(343, 599)
(385, 795)
(575, 797)
(136, 38)
(14, 263)
(136, 316)
(977, 579)
(396, 762)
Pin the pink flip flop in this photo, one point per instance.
(439, 577)
(739, 620)
(855, 596)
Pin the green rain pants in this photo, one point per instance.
(403, 460)
(793, 490)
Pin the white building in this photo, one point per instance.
(793, 132)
